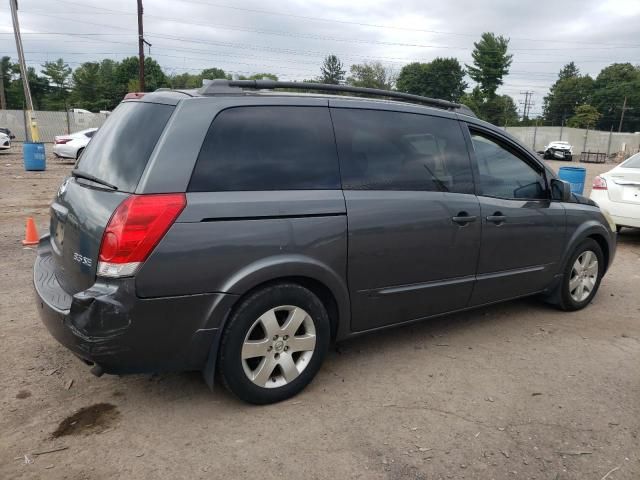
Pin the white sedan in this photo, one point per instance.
(71, 146)
(5, 141)
(558, 151)
(618, 192)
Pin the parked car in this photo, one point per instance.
(559, 150)
(618, 192)
(72, 146)
(7, 132)
(5, 141)
(243, 230)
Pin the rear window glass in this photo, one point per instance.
(632, 162)
(120, 149)
(268, 148)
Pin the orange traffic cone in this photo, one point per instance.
(31, 236)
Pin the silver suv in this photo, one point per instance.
(240, 229)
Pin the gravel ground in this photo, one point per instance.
(518, 390)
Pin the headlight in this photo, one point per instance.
(612, 224)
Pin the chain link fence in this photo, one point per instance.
(621, 145)
(50, 124)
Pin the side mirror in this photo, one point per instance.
(560, 190)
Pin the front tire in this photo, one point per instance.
(274, 343)
(582, 276)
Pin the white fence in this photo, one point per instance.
(611, 143)
(50, 124)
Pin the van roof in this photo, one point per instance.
(269, 87)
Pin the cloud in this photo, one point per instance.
(290, 38)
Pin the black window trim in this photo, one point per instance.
(512, 148)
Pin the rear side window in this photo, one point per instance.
(268, 148)
(382, 150)
(120, 149)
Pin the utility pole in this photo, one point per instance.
(30, 133)
(528, 95)
(141, 42)
(624, 107)
(3, 100)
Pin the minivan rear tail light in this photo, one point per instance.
(599, 183)
(134, 230)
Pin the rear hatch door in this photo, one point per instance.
(107, 173)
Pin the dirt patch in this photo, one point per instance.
(93, 419)
(23, 394)
(408, 403)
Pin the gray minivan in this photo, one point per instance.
(240, 229)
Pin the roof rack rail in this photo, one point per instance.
(221, 87)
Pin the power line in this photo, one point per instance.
(310, 36)
(372, 25)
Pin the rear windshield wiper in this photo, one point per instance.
(87, 176)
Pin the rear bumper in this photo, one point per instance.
(623, 214)
(110, 326)
(62, 150)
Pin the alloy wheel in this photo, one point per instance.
(584, 275)
(278, 346)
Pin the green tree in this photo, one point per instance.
(332, 71)
(185, 80)
(86, 86)
(491, 63)
(499, 109)
(442, 78)
(371, 75)
(586, 117)
(58, 73)
(473, 100)
(213, 74)
(612, 85)
(127, 75)
(109, 91)
(5, 73)
(566, 94)
(570, 70)
(39, 86)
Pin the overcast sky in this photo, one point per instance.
(290, 37)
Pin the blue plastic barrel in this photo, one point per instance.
(575, 176)
(34, 156)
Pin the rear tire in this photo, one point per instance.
(582, 276)
(274, 343)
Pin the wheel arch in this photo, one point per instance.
(317, 277)
(595, 231)
(604, 246)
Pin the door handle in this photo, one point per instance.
(463, 218)
(498, 218)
